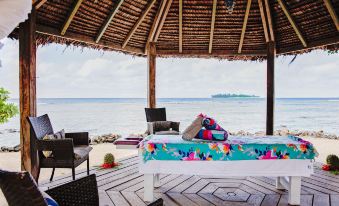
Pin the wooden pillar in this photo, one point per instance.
(151, 75)
(270, 88)
(27, 81)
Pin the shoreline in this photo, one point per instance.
(111, 137)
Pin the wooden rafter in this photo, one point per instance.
(37, 4)
(248, 7)
(214, 11)
(292, 22)
(331, 10)
(108, 20)
(137, 24)
(269, 19)
(71, 16)
(155, 23)
(180, 26)
(162, 21)
(263, 20)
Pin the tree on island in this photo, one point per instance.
(7, 110)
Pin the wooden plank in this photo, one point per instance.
(334, 200)
(38, 4)
(133, 198)
(151, 75)
(117, 181)
(321, 200)
(331, 10)
(270, 200)
(198, 200)
(71, 16)
(255, 200)
(181, 199)
(108, 20)
(27, 90)
(196, 187)
(271, 52)
(156, 22)
(263, 20)
(86, 39)
(292, 22)
(184, 185)
(104, 199)
(243, 30)
(171, 184)
(269, 18)
(214, 11)
(162, 21)
(137, 24)
(180, 26)
(117, 198)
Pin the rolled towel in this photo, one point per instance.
(213, 135)
(210, 124)
(192, 130)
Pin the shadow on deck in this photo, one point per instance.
(124, 186)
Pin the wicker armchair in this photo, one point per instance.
(67, 153)
(20, 189)
(157, 123)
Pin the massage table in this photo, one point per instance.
(287, 158)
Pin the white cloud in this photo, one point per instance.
(73, 72)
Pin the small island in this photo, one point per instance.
(228, 95)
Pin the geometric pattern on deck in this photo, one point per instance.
(123, 186)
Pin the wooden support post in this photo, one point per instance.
(270, 88)
(151, 66)
(27, 81)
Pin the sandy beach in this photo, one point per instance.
(11, 160)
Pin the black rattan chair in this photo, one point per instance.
(63, 150)
(155, 114)
(20, 189)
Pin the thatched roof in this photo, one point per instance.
(296, 26)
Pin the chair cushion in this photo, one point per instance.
(81, 152)
(170, 132)
(126, 142)
(58, 135)
(161, 126)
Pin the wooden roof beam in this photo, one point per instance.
(247, 12)
(180, 26)
(155, 23)
(162, 21)
(71, 16)
(292, 22)
(331, 10)
(214, 11)
(108, 20)
(269, 19)
(37, 4)
(263, 20)
(137, 24)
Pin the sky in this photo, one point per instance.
(68, 72)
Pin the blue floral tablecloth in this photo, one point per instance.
(173, 147)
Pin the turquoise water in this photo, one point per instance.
(125, 116)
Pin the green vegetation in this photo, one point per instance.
(228, 95)
(7, 110)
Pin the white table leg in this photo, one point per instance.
(278, 184)
(148, 187)
(294, 190)
(157, 180)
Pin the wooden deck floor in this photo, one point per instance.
(124, 186)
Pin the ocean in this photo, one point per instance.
(126, 115)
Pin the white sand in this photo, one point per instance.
(11, 161)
